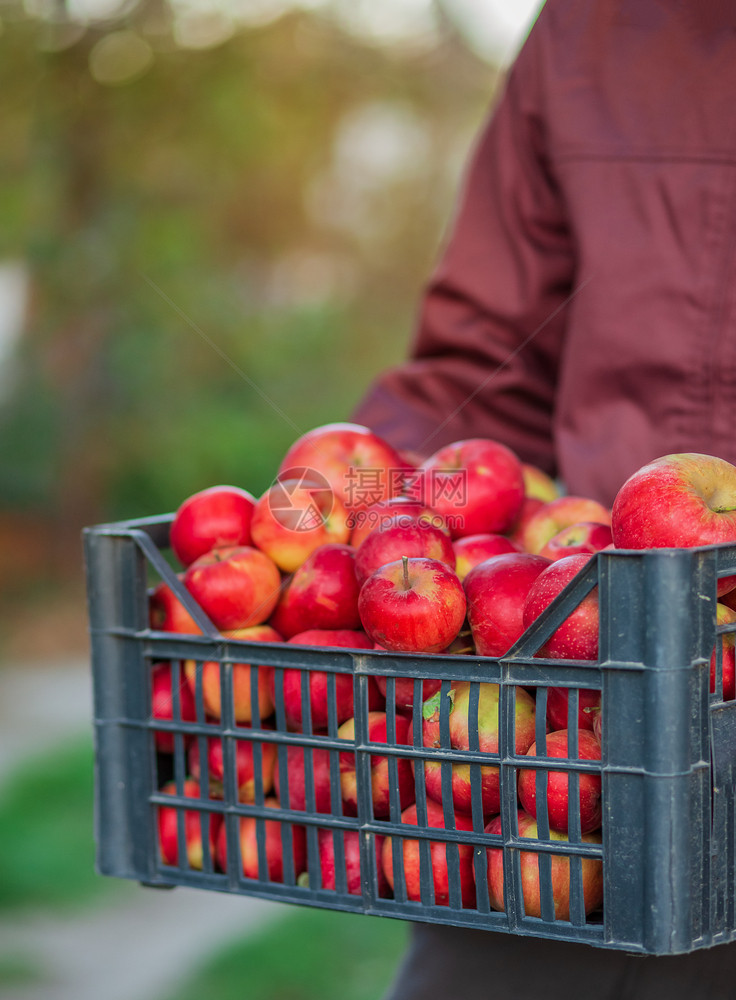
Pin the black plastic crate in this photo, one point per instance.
(668, 752)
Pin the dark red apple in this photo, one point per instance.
(318, 684)
(589, 703)
(577, 637)
(322, 593)
(497, 590)
(298, 759)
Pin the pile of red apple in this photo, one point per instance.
(355, 547)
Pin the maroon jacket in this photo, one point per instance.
(584, 310)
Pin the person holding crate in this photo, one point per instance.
(583, 313)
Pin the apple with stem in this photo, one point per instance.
(678, 501)
(413, 605)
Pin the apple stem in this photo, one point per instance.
(407, 584)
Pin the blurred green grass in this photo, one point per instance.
(310, 955)
(19, 970)
(46, 832)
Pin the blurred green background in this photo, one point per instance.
(216, 220)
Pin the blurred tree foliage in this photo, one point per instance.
(223, 246)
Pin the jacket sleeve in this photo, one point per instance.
(485, 355)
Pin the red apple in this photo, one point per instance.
(474, 549)
(439, 856)
(351, 848)
(577, 637)
(162, 704)
(298, 759)
(592, 873)
(412, 605)
(274, 851)
(167, 614)
(241, 678)
(461, 723)
(322, 593)
(497, 590)
(589, 785)
(477, 484)
(244, 767)
(216, 518)
(550, 519)
(168, 828)
(318, 683)
(236, 587)
(589, 703)
(537, 484)
(360, 466)
(678, 501)
(296, 516)
(395, 539)
(586, 537)
(378, 514)
(725, 616)
(380, 773)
